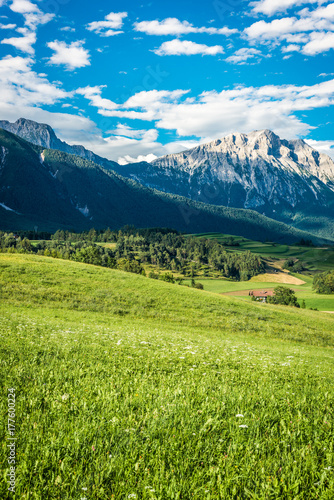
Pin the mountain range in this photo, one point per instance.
(53, 190)
(284, 180)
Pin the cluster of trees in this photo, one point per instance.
(284, 296)
(162, 248)
(80, 251)
(189, 256)
(324, 282)
(294, 265)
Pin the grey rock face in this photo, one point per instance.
(43, 135)
(258, 171)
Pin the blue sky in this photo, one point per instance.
(133, 80)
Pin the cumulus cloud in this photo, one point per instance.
(68, 28)
(291, 48)
(7, 26)
(271, 7)
(93, 95)
(243, 56)
(24, 43)
(73, 55)
(175, 27)
(110, 26)
(313, 30)
(23, 6)
(325, 12)
(25, 92)
(214, 114)
(33, 16)
(319, 42)
(177, 48)
(22, 87)
(278, 28)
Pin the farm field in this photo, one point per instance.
(241, 290)
(128, 387)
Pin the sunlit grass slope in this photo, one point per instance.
(128, 387)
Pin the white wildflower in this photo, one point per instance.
(244, 426)
(239, 415)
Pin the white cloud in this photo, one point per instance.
(319, 42)
(243, 55)
(23, 6)
(7, 26)
(32, 14)
(68, 28)
(33, 17)
(152, 98)
(110, 26)
(177, 48)
(172, 26)
(313, 30)
(325, 12)
(278, 28)
(93, 94)
(24, 43)
(128, 159)
(326, 147)
(291, 48)
(270, 7)
(213, 114)
(22, 87)
(72, 56)
(24, 93)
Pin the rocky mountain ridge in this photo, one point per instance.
(285, 180)
(288, 181)
(43, 135)
(51, 190)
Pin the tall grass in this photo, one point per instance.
(131, 388)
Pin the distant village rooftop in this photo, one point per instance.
(261, 294)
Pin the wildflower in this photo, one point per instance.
(93, 448)
(65, 397)
(244, 426)
(239, 415)
(132, 495)
(85, 489)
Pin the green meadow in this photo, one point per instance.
(304, 292)
(133, 388)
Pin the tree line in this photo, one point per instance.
(133, 248)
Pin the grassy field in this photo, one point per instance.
(128, 387)
(303, 292)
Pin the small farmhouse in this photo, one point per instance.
(261, 295)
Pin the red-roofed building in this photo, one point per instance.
(261, 295)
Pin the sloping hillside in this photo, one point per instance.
(131, 388)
